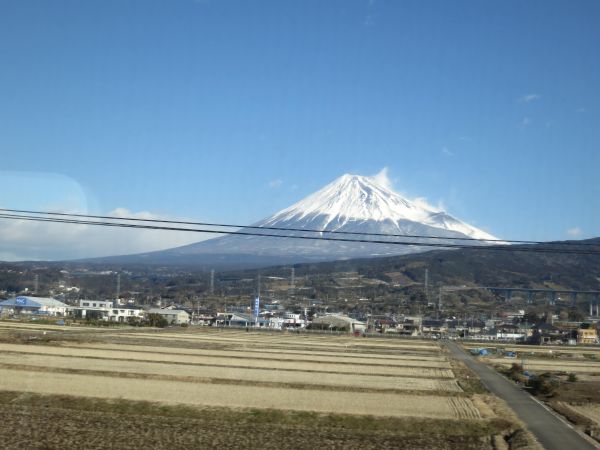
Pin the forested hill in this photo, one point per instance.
(518, 267)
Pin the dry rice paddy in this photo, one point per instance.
(550, 365)
(323, 390)
(590, 410)
(337, 374)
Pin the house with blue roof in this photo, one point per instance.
(33, 305)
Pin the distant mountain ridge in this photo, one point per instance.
(351, 203)
(483, 267)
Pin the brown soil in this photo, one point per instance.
(578, 392)
(58, 422)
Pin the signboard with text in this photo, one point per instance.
(256, 306)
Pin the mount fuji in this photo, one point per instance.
(351, 203)
(362, 204)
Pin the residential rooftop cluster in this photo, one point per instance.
(516, 326)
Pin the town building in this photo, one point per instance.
(107, 310)
(510, 332)
(408, 326)
(33, 305)
(587, 335)
(546, 333)
(236, 319)
(96, 303)
(173, 316)
(433, 327)
(203, 318)
(338, 322)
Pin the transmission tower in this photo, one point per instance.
(118, 286)
(293, 281)
(427, 285)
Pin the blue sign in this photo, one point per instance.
(256, 306)
(21, 300)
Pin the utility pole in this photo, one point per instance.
(212, 281)
(118, 286)
(524, 342)
(427, 285)
(293, 281)
(257, 303)
(36, 283)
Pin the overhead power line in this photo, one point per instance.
(315, 238)
(302, 230)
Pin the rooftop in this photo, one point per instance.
(33, 302)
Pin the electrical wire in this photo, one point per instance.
(316, 238)
(302, 230)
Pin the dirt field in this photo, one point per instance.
(538, 350)
(552, 365)
(581, 360)
(185, 372)
(265, 353)
(342, 379)
(102, 424)
(590, 410)
(574, 389)
(237, 396)
(408, 370)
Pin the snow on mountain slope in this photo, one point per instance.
(351, 203)
(352, 198)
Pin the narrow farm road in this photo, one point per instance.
(550, 431)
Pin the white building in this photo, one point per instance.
(95, 303)
(338, 322)
(173, 316)
(33, 305)
(236, 319)
(293, 320)
(107, 310)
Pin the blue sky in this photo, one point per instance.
(231, 110)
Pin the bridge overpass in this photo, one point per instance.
(551, 295)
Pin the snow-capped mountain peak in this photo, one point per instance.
(351, 199)
(351, 203)
(354, 197)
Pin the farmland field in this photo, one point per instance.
(542, 350)
(223, 378)
(591, 411)
(538, 364)
(572, 388)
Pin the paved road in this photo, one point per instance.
(551, 432)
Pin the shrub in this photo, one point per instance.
(545, 384)
(156, 320)
(515, 371)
